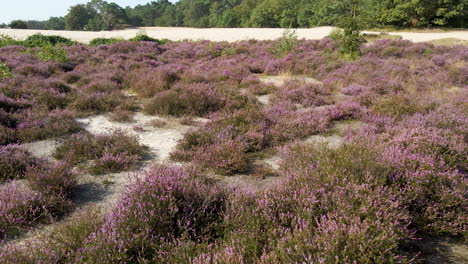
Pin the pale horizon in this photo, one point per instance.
(43, 10)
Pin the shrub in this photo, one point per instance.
(6, 40)
(225, 158)
(183, 99)
(120, 115)
(147, 83)
(51, 179)
(110, 162)
(5, 71)
(38, 40)
(104, 41)
(399, 106)
(19, 208)
(37, 126)
(166, 205)
(112, 152)
(306, 94)
(14, 161)
(143, 37)
(62, 242)
(287, 43)
(50, 52)
(96, 103)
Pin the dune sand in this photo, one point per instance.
(218, 34)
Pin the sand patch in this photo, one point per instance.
(160, 141)
(333, 141)
(41, 149)
(280, 80)
(220, 34)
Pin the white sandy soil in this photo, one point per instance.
(161, 141)
(218, 34)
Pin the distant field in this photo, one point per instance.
(221, 34)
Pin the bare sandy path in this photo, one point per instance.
(218, 34)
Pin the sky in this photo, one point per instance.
(43, 9)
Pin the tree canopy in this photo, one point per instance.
(103, 15)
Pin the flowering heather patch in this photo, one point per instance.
(165, 205)
(19, 208)
(305, 94)
(14, 162)
(60, 245)
(51, 179)
(403, 174)
(185, 99)
(225, 157)
(112, 152)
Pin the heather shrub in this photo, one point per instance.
(148, 82)
(225, 157)
(111, 152)
(7, 136)
(113, 162)
(7, 120)
(400, 105)
(42, 125)
(51, 179)
(305, 94)
(429, 186)
(120, 115)
(14, 162)
(19, 208)
(95, 103)
(62, 243)
(167, 205)
(183, 99)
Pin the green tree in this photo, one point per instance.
(18, 24)
(78, 17)
(55, 23)
(196, 13)
(422, 12)
(351, 21)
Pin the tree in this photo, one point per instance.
(18, 24)
(78, 17)
(55, 23)
(108, 15)
(422, 12)
(351, 21)
(196, 13)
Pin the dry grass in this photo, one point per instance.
(449, 42)
(371, 37)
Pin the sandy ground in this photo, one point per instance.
(219, 34)
(161, 141)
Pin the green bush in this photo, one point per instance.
(8, 41)
(143, 37)
(38, 40)
(49, 52)
(287, 43)
(104, 41)
(5, 71)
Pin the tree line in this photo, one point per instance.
(101, 15)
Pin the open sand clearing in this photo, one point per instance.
(219, 34)
(161, 141)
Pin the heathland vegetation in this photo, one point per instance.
(395, 111)
(101, 15)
